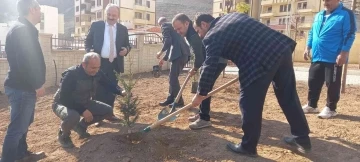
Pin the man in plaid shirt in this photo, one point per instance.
(263, 56)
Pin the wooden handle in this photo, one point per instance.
(156, 124)
(182, 88)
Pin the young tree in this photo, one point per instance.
(242, 7)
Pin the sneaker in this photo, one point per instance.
(199, 123)
(327, 113)
(81, 131)
(194, 118)
(309, 109)
(65, 141)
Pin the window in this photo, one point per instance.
(77, 8)
(98, 3)
(90, 19)
(267, 22)
(221, 7)
(79, 31)
(77, 19)
(138, 2)
(148, 4)
(269, 9)
(147, 16)
(138, 15)
(285, 8)
(302, 19)
(302, 5)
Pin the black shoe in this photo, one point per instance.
(179, 104)
(165, 103)
(81, 131)
(32, 156)
(303, 147)
(65, 141)
(237, 148)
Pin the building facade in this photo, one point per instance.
(51, 21)
(133, 13)
(220, 7)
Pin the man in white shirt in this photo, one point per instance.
(110, 40)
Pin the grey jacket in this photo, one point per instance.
(174, 45)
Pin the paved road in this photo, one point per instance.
(301, 74)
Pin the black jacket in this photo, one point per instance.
(26, 61)
(77, 88)
(95, 39)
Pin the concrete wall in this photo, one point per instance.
(141, 59)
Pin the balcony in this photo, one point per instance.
(141, 7)
(85, 23)
(266, 2)
(281, 1)
(305, 10)
(266, 14)
(140, 21)
(306, 25)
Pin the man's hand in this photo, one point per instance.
(307, 54)
(87, 116)
(161, 62)
(123, 51)
(192, 72)
(40, 92)
(158, 55)
(196, 101)
(341, 59)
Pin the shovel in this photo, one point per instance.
(158, 123)
(165, 111)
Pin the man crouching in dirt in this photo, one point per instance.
(74, 98)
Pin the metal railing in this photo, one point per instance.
(2, 50)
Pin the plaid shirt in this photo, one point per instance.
(251, 45)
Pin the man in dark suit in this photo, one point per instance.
(178, 53)
(111, 41)
(263, 56)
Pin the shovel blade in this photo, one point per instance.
(165, 112)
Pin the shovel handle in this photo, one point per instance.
(158, 123)
(182, 88)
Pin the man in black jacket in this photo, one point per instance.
(184, 26)
(178, 53)
(74, 98)
(24, 82)
(110, 40)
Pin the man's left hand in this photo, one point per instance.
(123, 51)
(341, 59)
(196, 101)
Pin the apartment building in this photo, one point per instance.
(220, 6)
(133, 13)
(287, 16)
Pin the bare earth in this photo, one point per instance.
(305, 64)
(336, 139)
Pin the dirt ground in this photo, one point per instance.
(304, 64)
(333, 140)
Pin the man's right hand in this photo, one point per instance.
(307, 54)
(87, 116)
(40, 92)
(161, 62)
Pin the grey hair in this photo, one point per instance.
(24, 6)
(162, 20)
(91, 55)
(111, 5)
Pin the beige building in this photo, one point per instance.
(287, 15)
(133, 13)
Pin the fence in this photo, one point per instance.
(2, 50)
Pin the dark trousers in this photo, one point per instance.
(102, 94)
(252, 99)
(329, 73)
(71, 118)
(176, 67)
(205, 104)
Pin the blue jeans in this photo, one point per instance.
(21, 116)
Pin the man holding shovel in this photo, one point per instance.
(177, 52)
(263, 56)
(184, 26)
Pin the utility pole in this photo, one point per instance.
(255, 9)
(343, 83)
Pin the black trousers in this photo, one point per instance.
(176, 67)
(102, 94)
(329, 73)
(205, 104)
(252, 98)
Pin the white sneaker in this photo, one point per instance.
(309, 109)
(327, 113)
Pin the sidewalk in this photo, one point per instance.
(301, 74)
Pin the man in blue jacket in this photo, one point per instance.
(330, 40)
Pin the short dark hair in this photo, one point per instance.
(24, 6)
(181, 17)
(203, 17)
